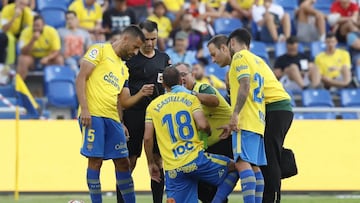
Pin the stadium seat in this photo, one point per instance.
(280, 48)
(350, 98)
(323, 6)
(316, 48)
(215, 69)
(60, 86)
(357, 72)
(226, 25)
(259, 48)
(7, 91)
(58, 4)
(327, 115)
(206, 52)
(317, 98)
(289, 6)
(54, 17)
(11, 114)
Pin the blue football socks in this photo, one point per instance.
(259, 187)
(94, 185)
(125, 183)
(248, 185)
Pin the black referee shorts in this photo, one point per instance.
(134, 120)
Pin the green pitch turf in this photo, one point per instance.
(146, 198)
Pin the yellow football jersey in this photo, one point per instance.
(88, 17)
(214, 3)
(105, 82)
(48, 41)
(164, 25)
(216, 116)
(247, 4)
(330, 65)
(213, 81)
(173, 5)
(252, 115)
(176, 132)
(24, 20)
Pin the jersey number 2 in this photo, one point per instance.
(257, 96)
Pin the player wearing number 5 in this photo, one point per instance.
(246, 79)
(101, 87)
(176, 118)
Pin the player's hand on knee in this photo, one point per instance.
(147, 89)
(154, 172)
(226, 131)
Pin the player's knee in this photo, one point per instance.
(170, 200)
(122, 164)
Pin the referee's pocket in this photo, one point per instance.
(288, 164)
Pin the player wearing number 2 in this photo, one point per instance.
(246, 80)
(176, 118)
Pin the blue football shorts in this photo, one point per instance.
(105, 139)
(249, 147)
(181, 183)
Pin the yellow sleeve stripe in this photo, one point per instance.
(243, 76)
(197, 109)
(218, 161)
(86, 59)
(148, 120)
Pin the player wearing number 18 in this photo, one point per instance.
(176, 118)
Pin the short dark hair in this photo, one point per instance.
(38, 17)
(134, 31)
(218, 40)
(159, 3)
(330, 35)
(241, 35)
(292, 40)
(70, 12)
(149, 25)
(171, 76)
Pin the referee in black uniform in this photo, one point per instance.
(145, 68)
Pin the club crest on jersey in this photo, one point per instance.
(93, 53)
(172, 174)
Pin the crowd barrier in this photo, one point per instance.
(326, 153)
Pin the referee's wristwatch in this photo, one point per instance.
(194, 93)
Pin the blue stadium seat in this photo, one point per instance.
(280, 48)
(350, 98)
(226, 25)
(328, 115)
(54, 17)
(357, 72)
(60, 86)
(259, 48)
(215, 69)
(323, 6)
(317, 98)
(254, 31)
(316, 48)
(206, 52)
(45, 4)
(293, 104)
(7, 91)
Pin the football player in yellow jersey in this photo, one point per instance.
(278, 118)
(176, 117)
(102, 91)
(217, 112)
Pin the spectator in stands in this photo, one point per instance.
(199, 73)
(89, 13)
(334, 64)
(142, 8)
(296, 71)
(39, 45)
(348, 18)
(164, 24)
(117, 18)
(197, 9)
(74, 41)
(31, 3)
(353, 42)
(310, 22)
(105, 4)
(242, 9)
(179, 52)
(15, 17)
(215, 9)
(271, 19)
(173, 8)
(195, 37)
